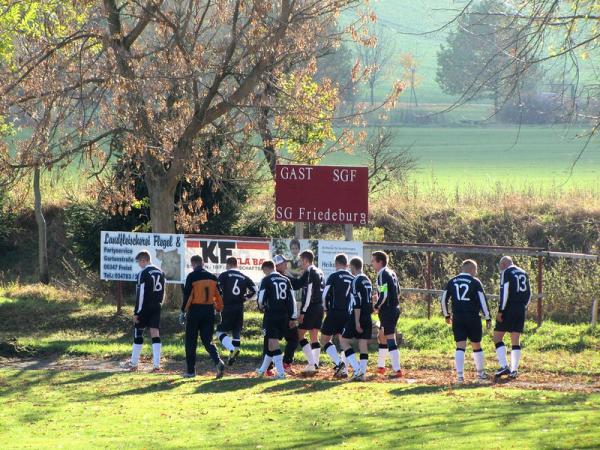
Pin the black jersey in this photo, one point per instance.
(312, 283)
(150, 289)
(235, 288)
(336, 295)
(465, 292)
(360, 295)
(515, 290)
(276, 296)
(387, 285)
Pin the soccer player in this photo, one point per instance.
(235, 289)
(276, 299)
(359, 324)
(311, 312)
(201, 298)
(336, 300)
(291, 337)
(515, 295)
(150, 291)
(466, 295)
(387, 307)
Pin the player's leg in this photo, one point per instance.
(191, 341)
(307, 350)
(500, 353)
(291, 343)
(156, 348)
(329, 347)
(136, 350)
(515, 353)
(382, 353)
(459, 360)
(315, 345)
(207, 330)
(389, 329)
(475, 334)
(479, 360)
(267, 356)
(363, 348)
(277, 357)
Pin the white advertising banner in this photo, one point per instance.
(119, 248)
(329, 249)
(215, 251)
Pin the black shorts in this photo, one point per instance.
(389, 319)
(366, 324)
(467, 326)
(313, 317)
(276, 326)
(231, 320)
(513, 321)
(334, 322)
(149, 318)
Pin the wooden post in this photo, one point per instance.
(119, 296)
(348, 232)
(595, 307)
(428, 282)
(299, 230)
(540, 288)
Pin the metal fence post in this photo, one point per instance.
(428, 282)
(119, 296)
(540, 288)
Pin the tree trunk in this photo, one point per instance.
(372, 94)
(41, 226)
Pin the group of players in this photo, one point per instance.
(341, 306)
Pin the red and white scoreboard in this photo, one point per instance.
(322, 194)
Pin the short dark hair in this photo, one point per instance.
(144, 254)
(357, 263)
(268, 264)
(341, 259)
(381, 257)
(295, 242)
(231, 261)
(308, 254)
(197, 259)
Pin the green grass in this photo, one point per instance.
(52, 409)
(490, 157)
(38, 321)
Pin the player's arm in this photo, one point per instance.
(359, 295)
(327, 292)
(250, 289)
(221, 283)
(383, 283)
(139, 295)
(299, 283)
(483, 303)
(291, 303)
(187, 291)
(217, 297)
(528, 293)
(260, 299)
(309, 292)
(444, 302)
(504, 293)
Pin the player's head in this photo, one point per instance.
(295, 247)
(356, 265)
(268, 267)
(307, 257)
(505, 263)
(143, 258)
(196, 261)
(231, 262)
(379, 260)
(341, 261)
(281, 264)
(469, 266)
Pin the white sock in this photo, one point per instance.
(227, 343)
(333, 354)
(478, 359)
(515, 356)
(308, 353)
(383, 354)
(135, 354)
(501, 355)
(266, 363)
(278, 361)
(156, 347)
(363, 365)
(345, 361)
(395, 357)
(353, 362)
(459, 361)
(317, 355)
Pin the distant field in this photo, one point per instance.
(480, 157)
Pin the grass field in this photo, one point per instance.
(52, 409)
(481, 158)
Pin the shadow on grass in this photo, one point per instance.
(227, 385)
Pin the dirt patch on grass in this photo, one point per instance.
(430, 377)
